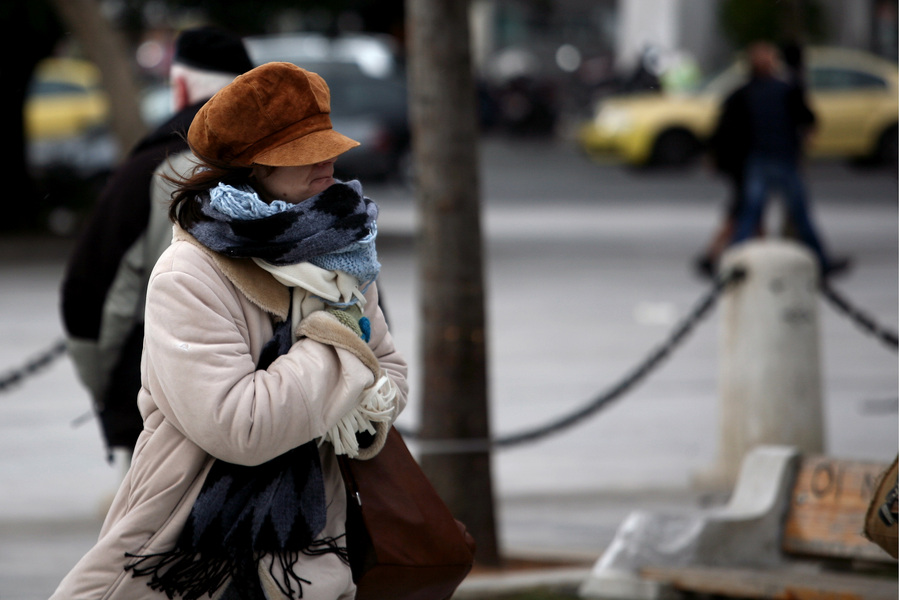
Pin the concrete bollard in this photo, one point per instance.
(769, 378)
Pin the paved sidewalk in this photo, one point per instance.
(558, 540)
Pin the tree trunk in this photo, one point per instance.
(103, 46)
(445, 145)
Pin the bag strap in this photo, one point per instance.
(349, 480)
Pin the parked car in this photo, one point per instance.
(65, 98)
(368, 95)
(70, 146)
(66, 118)
(853, 93)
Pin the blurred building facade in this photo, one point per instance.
(693, 26)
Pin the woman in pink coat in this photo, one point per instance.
(265, 356)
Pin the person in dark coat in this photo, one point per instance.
(102, 295)
(728, 147)
(776, 119)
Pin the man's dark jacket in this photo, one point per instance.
(119, 219)
(766, 116)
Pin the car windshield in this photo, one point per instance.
(358, 95)
(47, 87)
(369, 55)
(842, 78)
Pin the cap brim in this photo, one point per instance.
(309, 149)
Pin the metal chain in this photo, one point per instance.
(656, 357)
(862, 319)
(652, 361)
(33, 366)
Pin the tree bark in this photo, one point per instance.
(104, 47)
(445, 145)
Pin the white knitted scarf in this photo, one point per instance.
(311, 287)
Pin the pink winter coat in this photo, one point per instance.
(207, 319)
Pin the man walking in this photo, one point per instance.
(775, 118)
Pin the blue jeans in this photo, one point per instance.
(764, 175)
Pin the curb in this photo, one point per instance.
(561, 580)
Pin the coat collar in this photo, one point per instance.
(255, 283)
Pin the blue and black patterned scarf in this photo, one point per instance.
(332, 230)
(274, 511)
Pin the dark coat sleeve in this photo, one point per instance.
(799, 109)
(730, 140)
(118, 218)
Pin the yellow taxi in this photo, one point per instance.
(65, 99)
(853, 93)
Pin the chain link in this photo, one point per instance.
(859, 317)
(33, 366)
(653, 360)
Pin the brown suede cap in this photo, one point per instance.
(276, 114)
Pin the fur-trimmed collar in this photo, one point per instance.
(255, 283)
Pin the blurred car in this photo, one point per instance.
(538, 62)
(66, 117)
(368, 95)
(853, 93)
(65, 99)
(70, 147)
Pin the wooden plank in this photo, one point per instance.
(827, 509)
(780, 584)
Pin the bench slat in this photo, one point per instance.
(827, 509)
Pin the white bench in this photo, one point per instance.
(792, 529)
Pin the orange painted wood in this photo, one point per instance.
(828, 507)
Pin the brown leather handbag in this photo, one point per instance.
(404, 543)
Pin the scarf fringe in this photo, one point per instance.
(183, 573)
(376, 407)
(190, 575)
(291, 584)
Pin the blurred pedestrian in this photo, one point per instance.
(777, 118)
(795, 70)
(266, 355)
(728, 147)
(106, 277)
